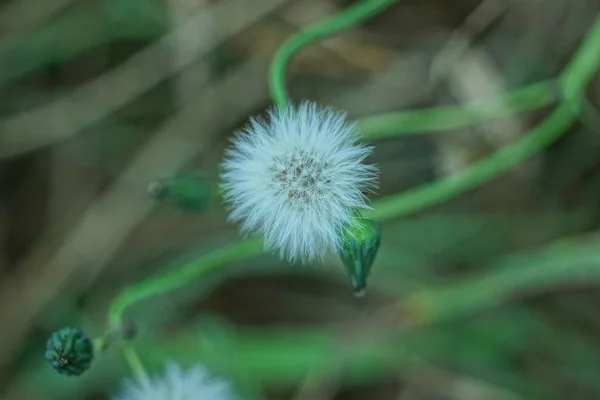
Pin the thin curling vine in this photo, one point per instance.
(570, 86)
(353, 16)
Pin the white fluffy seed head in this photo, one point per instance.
(297, 179)
(178, 384)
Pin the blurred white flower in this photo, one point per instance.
(178, 384)
(297, 179)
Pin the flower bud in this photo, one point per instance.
(190, 192)
(70, 351)
(361, 242)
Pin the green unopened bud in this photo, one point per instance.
(70, 351)
(362, 240)
(190, 192)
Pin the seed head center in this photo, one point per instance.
(299, 175)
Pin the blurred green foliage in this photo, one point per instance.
(459, 280)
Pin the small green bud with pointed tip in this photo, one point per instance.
(70, 351)
(361, 242)
(190, 192)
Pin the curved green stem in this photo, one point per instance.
(572, 260)
(134, 362)
(281, 355)
(483, 171)
(387, 208)
(348, 18)
(583, 65)
(581, 70)
(180, 276)
(453, 117)
(573, 82)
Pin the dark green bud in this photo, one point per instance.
(190, 192)
(361, 242)
(70, 351)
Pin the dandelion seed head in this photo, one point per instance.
(195, 383)
(297, 179)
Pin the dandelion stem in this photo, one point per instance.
(483, 171)
(346, 19)
(175, 279)
(134, 362)
(442, 119)
(576, 77)
(572, 84)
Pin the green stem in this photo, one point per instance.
(161, 284)
(577, 76)
(180, 277)
(348, 18)
(391, 207)
(453, 117)
(583, 65)
(570, 261)
(581, 70)
(573, 82)
(483, 171)
(134, 362)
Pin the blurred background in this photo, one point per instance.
(99, 98)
